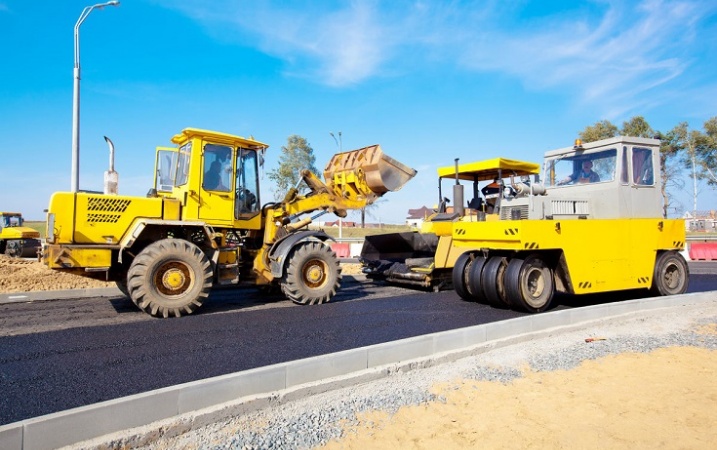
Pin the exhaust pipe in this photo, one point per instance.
(458, 205)
(111, 184)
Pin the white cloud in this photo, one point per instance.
(617, 56)
(602, 50)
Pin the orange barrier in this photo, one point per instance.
(703, 251)
(342, 249)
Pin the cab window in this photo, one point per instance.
(642, 172)
(247, 182)
(185, 153)
(217, 165)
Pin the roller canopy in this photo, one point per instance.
(488, 169)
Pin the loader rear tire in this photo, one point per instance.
(312, 274)
(170, 277)
(529, 284)
(671, 274)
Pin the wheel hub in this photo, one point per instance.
(536, 283)
(672, 276)
(173, 279)
(314, 274)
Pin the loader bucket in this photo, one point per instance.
(366, 171)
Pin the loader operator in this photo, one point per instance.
(213, 177)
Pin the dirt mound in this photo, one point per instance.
(24, 275)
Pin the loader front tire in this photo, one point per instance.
(312, 274)
(171, 277)
(122, 286)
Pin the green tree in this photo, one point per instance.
(670, 170)
(707, 152)
(637, 127)
(686, 142)
(296, 155)
(600, 130)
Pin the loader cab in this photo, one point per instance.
(216, 177)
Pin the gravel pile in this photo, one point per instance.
(316, 420)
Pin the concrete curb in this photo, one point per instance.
(21, 297)
(177, 409)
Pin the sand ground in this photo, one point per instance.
(663, 399)
(25, 275)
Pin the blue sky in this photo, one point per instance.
(428, 80)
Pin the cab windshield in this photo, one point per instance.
(595, 167)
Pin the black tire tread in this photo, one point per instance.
(146, 297)
(513, 289)
(491, 282)
(458, 276)
(293, 286)
(661, 263)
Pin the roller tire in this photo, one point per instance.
(171, 277)
(671, 275)
(529, 284)
(492, 281)
(312, 275)
(475, 270)
(459, 276)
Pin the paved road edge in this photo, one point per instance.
(177, 409)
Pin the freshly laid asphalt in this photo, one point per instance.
(89, 348)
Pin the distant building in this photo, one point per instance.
(345, 224)
(701, 221)
(417, 216)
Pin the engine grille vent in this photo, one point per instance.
(103, 218)
(571, 207)
(108, 205)
(506, 212)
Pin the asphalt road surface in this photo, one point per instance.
(56, 355)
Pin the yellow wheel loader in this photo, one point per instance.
(203, 224)
(595, 225)
(17, 240)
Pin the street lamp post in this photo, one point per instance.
(76, 95)
(339, 144)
